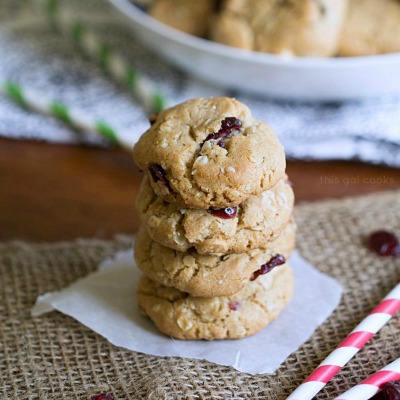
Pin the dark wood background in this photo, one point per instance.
(55, 192)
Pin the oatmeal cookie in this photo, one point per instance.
(287, 27)
(250, 225)
(182, 316)
(209, 152)
(190, 16)
(210, 275)
(371, 27)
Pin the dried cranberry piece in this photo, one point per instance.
(390, 391)
(384, 243)
(158, 174)
(153, 118)
(267, 267)
(103, 396)
(228, 125)
(234, 305)
(225, 213)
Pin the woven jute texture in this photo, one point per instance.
(54, 357)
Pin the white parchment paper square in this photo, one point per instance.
(105, 301)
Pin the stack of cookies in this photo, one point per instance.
(217, 229)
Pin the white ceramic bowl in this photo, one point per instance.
(296, 78)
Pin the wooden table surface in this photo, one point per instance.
(54, 192)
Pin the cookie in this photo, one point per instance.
(192, 17)
(208, 275)
(182, 316)
(287, 27)
(371, 27)
(250, 225)
(209, 152)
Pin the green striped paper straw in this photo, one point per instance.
(113, 63)
(34, 101)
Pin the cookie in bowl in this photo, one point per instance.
(371, 27)
(193, 17)
(289, 27)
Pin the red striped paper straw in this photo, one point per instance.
(370, 386)
(349, 347)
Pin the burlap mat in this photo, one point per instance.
(54, 357)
